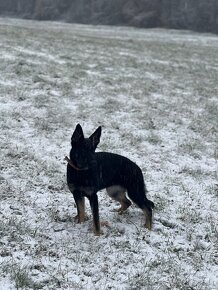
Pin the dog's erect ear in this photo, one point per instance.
(95, 137)
(77, 135)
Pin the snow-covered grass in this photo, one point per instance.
(155, 93)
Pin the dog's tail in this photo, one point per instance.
(148, 211)
(149, 203)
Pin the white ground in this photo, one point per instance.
(155, 92)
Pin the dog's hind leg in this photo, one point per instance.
(140, 199)
(148, 217)
(118, 193)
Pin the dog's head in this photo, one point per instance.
(83, 149)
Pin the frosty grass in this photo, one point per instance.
(155, 93)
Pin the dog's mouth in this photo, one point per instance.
(75, 165)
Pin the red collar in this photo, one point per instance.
(74, 166)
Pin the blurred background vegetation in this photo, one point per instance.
(198, 15)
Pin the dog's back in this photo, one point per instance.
(115, 169)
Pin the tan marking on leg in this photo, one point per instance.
(81, 211)
(118, 193)
(125, 203)
(148, 217)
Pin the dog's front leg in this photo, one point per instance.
(80, 204)
(93, 199)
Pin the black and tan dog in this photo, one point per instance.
(88, 172)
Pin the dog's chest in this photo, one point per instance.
(82, 181)
(85, 190)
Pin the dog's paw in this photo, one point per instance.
(148, 225)
(98, 234)
(78, 220)
(119, 210)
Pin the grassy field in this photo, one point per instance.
(155, 93)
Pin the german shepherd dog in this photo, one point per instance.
(89, 171)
